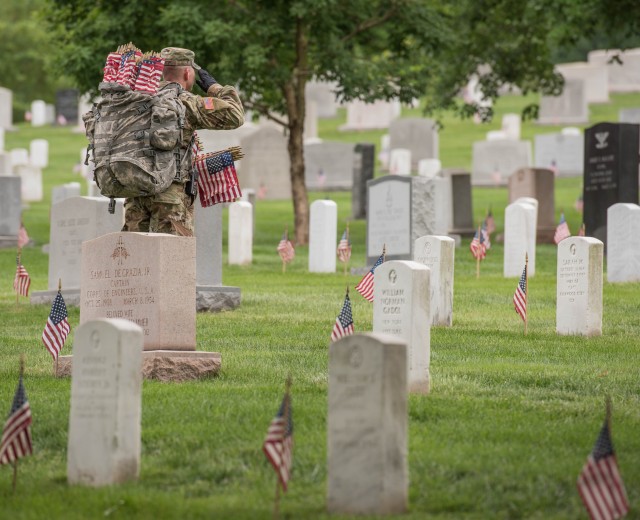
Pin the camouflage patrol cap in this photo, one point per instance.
(178, 57)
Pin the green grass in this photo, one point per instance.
(503, 434)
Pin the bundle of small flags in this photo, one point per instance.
(217, 177)
(562, 231)
(128, 66)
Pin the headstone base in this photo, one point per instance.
(71, 297)
(216, 298)
(421, 387)
(165, 365)
(463, 232)
(8, 241)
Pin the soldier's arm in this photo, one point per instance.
(221, 109)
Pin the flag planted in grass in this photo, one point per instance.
(344, 322)
(477, 246)
(23, 237)
(344, 248)
(365, 287)
(600, 484)
(562, 231)
(484, 236)
(16, 435)
(520, 296)
(278, 444)
(490, 222)
(57, 328)
(22, 280)
(285, 248)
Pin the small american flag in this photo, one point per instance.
(57, 328)
(600, 484)
(278, 444)
(344, 248)
(484, 236)
(285, 248)
(365, 287)
(582, 232)
(344, 322)
(562, 231)
(22, 281)
(16, 435)
(477, 247)
(520, 296)
(217, 179)
(23, 238)
(490, 221)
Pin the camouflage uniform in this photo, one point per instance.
(172, 210)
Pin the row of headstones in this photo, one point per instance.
(27, 165)
(67, 109)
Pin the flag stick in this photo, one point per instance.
(478, 257)
(384, 252)
(17, 266)
(526, 285)
(608, 412)
(284, 266)
(345, 264)
(276, 501)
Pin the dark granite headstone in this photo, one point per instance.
(610, 172)
(363, 168)
(461, 200)
(67, 105)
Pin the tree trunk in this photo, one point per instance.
(295, 97)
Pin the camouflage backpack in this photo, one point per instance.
(135, 138)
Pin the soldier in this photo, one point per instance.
(172, 210)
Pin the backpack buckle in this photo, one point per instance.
(112, 205)
(149, 153)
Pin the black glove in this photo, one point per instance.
(205, 80)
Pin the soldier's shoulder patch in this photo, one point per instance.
(208, 103)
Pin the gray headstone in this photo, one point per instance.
(367, 426)
(624, 72)
(629, 115)
(6, 108)
(67, 104)
(321, 92)
(610, 172)
(419, 135)
(462, 201)
(494, 161)
(371, 116)
(65, 191)
(538, 184)
(401, 209)
(10, 207)
(6, 166)
(363, 169)
(595, 77)
(146, 278)
(561, 153)
(623, 246)
(579, 287)
(570, 107)
(31, 182)
(106, 404)
(265, 166)
(49, 113)
(329, 165)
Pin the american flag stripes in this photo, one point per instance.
(477, 246)
(344, 248)
(22, 280)
(217, 179)
(344, 322)
(520, 296)
(490, 222)
(23, 237)
(600, 484)
(16, 435)
(365, 287)
(285, 248)
(149, 73)
(484, 236)
(278, 444)
(562, 231)
(57, 328)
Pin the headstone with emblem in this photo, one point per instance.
(67, 105)
(323, 236)
(401, 298)
(623, 244)
(437, 253)
(329, 165)
(579, 287)
(494, 161)
(570, 107)
(10, 210)
(418, 135)
(401, 209)
(363, 169)
(74, 221)
(519, 238)
(367, 426)
(106, 403)
(538, 184)
(610, 172)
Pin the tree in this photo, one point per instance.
(372, 49)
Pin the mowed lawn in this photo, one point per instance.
(504, 433)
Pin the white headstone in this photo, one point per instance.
(39, 153)
(400, 161)
(6, 108)
(19, 157)
(385, 150)
(623, 72)
(579, 287)
(240, 233)
(496, 135)
(511, 124)
(6, 166)
(49, 113)
(494, 161)
(146, 278)
(401, 297)
(571, 130)
(323, 236)
(106, 403)
(519, 238)
(371, 116)
(569, 107)
(329, 165)
(623, 244)
(563, 153)
(38, 113)
(10, 205)
(367, 426)
(437, 253)
(31, 182)
(417, 134)
(595, 77)
(443, 205)
(65, 191)
(429, 168)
